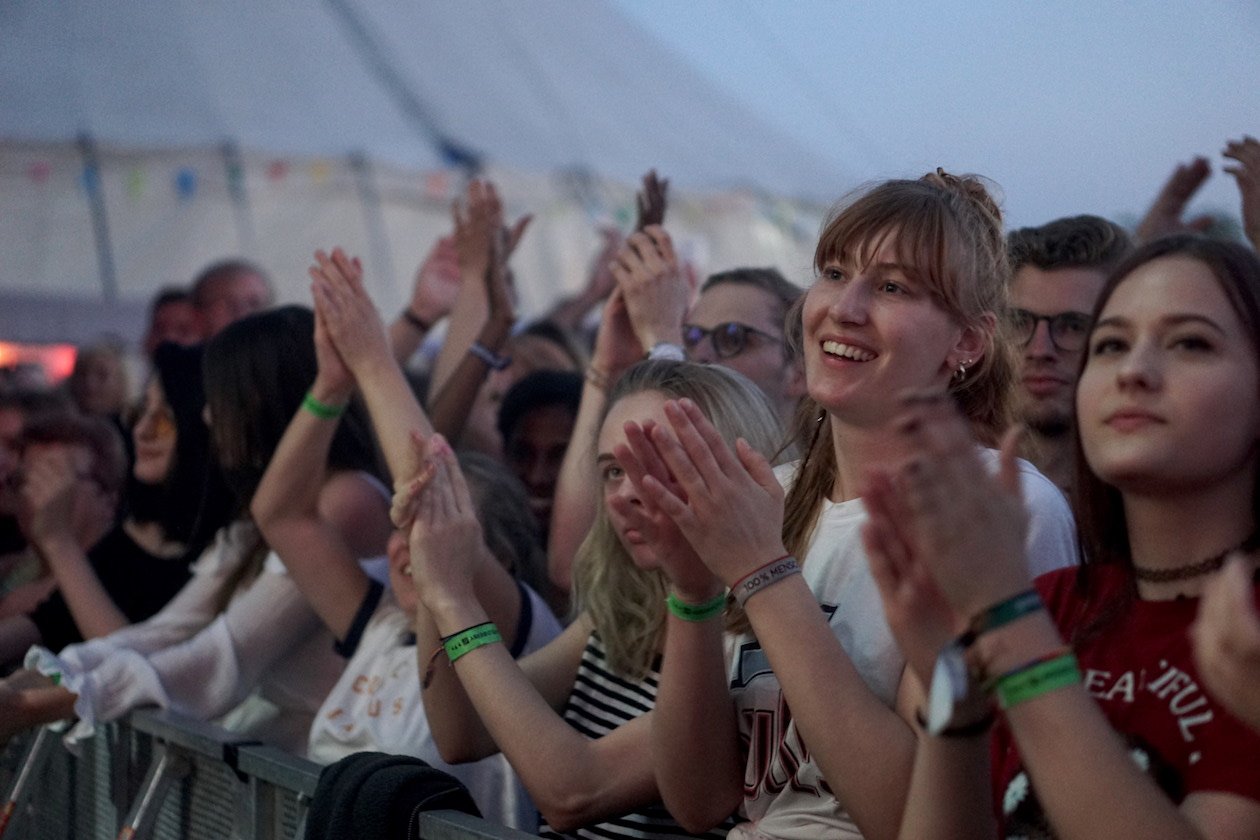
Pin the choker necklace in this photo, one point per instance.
(1193, 570)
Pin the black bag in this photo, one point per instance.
(375, 796)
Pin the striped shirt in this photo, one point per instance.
(600, 702)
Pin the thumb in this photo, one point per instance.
(1008, 466)
(758, 467)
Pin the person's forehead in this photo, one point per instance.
(739, 302)
(1055, 290)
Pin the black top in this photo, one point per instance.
(139, 583)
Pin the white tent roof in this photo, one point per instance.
(539, 86)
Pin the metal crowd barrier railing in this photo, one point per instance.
(158, 776)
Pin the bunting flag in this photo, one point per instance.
(186, 183)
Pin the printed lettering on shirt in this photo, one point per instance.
(1185, 699)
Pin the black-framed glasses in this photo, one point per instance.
(1069, 331)
(729, 339)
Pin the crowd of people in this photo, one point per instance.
(956, 538)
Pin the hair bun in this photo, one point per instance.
(971, 187)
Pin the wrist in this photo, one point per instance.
(1011, 645)
(453, 611)
(418, 319)
(331, 393)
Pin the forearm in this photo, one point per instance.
(467, 317)
(451, 406)
(1107, 796)
(866, 754)
(291, 483)
(695, 736)
(90, 604)
(406, 336)
(950, 794)
(395, 413)
(576, 495)
(573, 780)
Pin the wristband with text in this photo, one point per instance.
(479, 635)
(776, 570)
(1040, 676)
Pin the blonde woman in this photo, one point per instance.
(573, 718)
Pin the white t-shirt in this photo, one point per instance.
(376, 705)
(785, 795)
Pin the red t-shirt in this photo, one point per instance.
(1141, 671)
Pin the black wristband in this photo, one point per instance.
(415, 320)
(966, 730)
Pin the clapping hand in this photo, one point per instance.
(1165, 215)
(650, 201)
(1246, 171)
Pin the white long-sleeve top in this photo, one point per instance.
(201, 662)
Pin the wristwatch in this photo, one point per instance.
(955, 680)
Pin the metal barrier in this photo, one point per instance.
(158, 776)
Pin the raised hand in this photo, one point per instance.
(655, 292)
(1246, 171)
(650, 201)
(729, 505)
(436, 282)
(446, 540)
(477, 222)
(663, 545)
(333, 379)
(918, 614)
(350, 320)
(1165, 215)
(500, 307)
(1226, 639)
(50, 488)
(967, 526)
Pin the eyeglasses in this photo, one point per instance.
(1068, 330)
(729, 339)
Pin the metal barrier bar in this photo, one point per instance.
(456, 825)
(201, 783)
(169, 767)
(35, 757)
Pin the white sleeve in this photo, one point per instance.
(1051, 542)
(192, 608)
(214, 670)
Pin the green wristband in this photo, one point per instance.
(322, 410)
(1032, 681)
(696, 612)
(479, 635)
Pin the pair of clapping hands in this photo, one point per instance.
(945, 538)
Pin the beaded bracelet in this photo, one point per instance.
(1042, 675)
(322, 410)
(479, 635)
(696, 612)
(492, 359)
(758, 579)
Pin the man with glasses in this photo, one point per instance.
(1058, 271)
(737, 322)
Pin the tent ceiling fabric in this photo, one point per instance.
(541, 86)
(335, 113)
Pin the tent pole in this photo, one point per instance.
(100, 222)
(374, 221)
(235, 169)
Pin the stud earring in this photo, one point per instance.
(961, 373)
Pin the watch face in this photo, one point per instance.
(950, 684)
